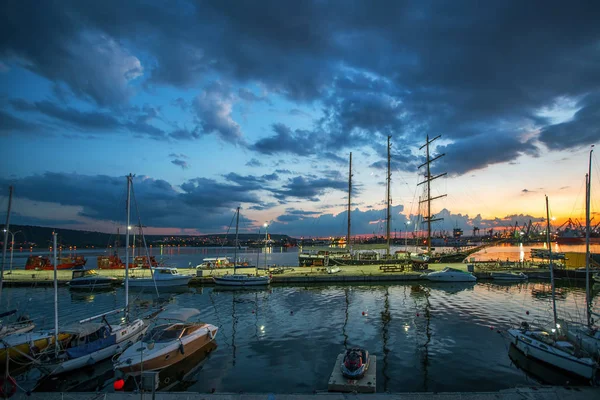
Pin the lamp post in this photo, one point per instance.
(266, 225)
(12, 246)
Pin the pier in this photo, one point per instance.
(290, 275)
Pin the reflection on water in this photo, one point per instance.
(286, 339)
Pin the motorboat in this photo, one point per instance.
(169, 341)
(91, 342)
(509, 276)
(215, 262)
(241, 280)
(551, 349)
(450, 275)
(161, 277)
(90, 279)
(355, 363)
(419, 258)
(333, 270)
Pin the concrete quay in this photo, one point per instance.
(524, 393)
(292, 275)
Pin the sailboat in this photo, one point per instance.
(240, 279)
(546, 345)
(588, 335)
(90, 341)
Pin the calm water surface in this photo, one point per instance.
(440, 337)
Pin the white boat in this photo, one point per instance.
(561, 354)
(215, 262)
(509, 276)
(549, 346)
(170, 340)
(162, 277)
(333, 270)
(450, 275)
(89, 279)
(419, 258)
(236, 279)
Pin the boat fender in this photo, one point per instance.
(8, 387)
(181, 349)
(210, 334)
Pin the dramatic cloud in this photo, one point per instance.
(213, 107)
(299, 142)
(308, 188)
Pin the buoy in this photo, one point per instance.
(119, 384)
(417, 314)
(252, 311)
(527, 312)
(291, 313)
(363, 313)
(491, 328)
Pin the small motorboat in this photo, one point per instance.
(355, 363)
(162, 277)
(450, 275)
(241, 280)
(172, 339)
(509, 276)
(89, 279)
(333, 270)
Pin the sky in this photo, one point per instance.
(215, 105)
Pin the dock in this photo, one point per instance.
(291, 275)
(339, 383)
(522, 393)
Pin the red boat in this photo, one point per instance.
(110, 262)
(45, 263)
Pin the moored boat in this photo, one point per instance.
(509, 276)
(241, 280)
(450, 275)
(161, 277)
(45, 264)
(169, 341)
(110, 262)
(89, 279)
(142, 262)
(355, 363)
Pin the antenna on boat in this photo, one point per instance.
(389, 196)
(129, 179)
(348, 245)
(428, 178)
(550, 263)
(588, 194)
(5, 244)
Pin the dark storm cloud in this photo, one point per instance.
(583, 129)
(286, 141)
(308, 188)
(373, 68)
(9, 124)
(200, 203)
(250, 180)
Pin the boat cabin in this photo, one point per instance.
(86, 273)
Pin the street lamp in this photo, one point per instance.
(12, 246)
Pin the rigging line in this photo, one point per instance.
(137, 210)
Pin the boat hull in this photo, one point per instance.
(168, 356)
(549, 355)
(27, 344)
(504, 276)
(149, 282)
(250, 281)
(442, 276)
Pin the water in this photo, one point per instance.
(434, 337)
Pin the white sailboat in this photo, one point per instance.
(91, 342)
(236, 279)
(586, 335)
(545, 345)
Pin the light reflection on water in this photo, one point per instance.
(440, 337)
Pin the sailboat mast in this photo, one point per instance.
(389, 196)
(5, 244)
(54, 244)
(428, 178)
(588, 195)
(129, 178)
(550, 261)
(237, 225)
(348, 246)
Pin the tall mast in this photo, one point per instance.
(428, 178)
(129, 179)
(348, 246)
(5, 244)
(588, 195)
(550, 261)
(389, 196)
(54, 244)
(237, 224)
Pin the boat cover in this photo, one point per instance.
(105, 340)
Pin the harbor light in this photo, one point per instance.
(553, 330)
(558, 326)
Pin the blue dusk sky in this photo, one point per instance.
(219, 104)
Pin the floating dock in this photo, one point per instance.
(339, 383)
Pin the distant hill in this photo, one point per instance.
(38, 236)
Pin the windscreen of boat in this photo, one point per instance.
(164, 333)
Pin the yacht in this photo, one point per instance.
(89, 279)
(161, 277)
(450, 275)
